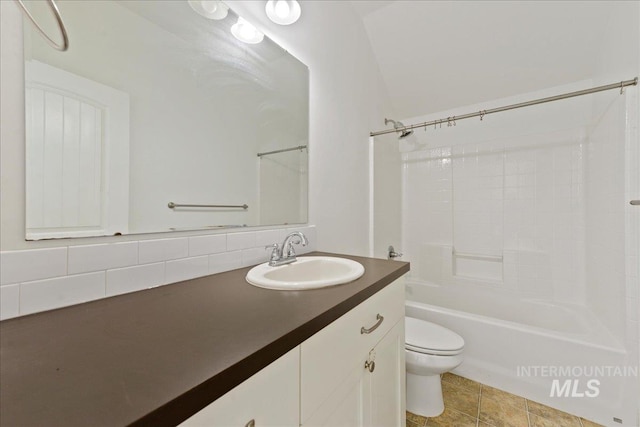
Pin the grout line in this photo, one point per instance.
(479, 403)
(526, 407)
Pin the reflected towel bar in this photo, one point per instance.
(479, 257)
(284, 150)
(172, 205)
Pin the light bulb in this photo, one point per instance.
(209, 6)
(245, 32)
(210, 9)
(282, 9)
(283, 12)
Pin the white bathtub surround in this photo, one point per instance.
(44, 279)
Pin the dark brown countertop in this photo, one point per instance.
(158, 356)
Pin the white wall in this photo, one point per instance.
(387, 196)
(347, 102)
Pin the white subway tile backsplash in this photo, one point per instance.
(205, 245)
(254, 256)
(131, 279)
(237, 241)
(269, 237)
(162, 250)
(22, 266)
(44, 279)
(88, 258)
(186, 268)
(60, 292)
(9, 301)
(225, 261)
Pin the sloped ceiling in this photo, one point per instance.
(436, 55)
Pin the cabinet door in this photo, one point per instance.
(369, 397)
(388, 379)
(348, 405)
(269, 398)
(339, 350)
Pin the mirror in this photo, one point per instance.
(157, 102)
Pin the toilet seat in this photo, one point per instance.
(428, 338)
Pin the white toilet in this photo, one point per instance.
(430, 350)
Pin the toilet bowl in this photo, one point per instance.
(430, 350)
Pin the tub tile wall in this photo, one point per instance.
(44, 279)
(519, 198)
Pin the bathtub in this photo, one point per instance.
(515, 344)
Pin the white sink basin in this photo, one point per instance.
(306, 273)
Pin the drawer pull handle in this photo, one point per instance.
(251, 423)
(379, 319)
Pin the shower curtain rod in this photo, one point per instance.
(621, 85)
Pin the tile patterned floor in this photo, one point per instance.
(471, 404)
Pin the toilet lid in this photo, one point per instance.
(426, 337)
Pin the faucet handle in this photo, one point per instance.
(275, 248)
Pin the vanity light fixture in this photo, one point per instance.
(211, 9)
(283, 12)
(245, 32)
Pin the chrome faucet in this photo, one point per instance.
(285, 254)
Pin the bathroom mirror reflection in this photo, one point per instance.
(158, 102)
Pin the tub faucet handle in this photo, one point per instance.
(392, 253)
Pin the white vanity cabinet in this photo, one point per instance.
(269, 398)
(352, 373)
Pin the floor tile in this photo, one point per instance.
(504, 397)
(556, 417)
(500, 414)
(538, 421)
(461, 399)
(416, 420)
(452, 418)
(461, 381)
(587, 423)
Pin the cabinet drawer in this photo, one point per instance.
(329, 356)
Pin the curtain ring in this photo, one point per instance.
(482, 112)
(63, 30)
(621, 88)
